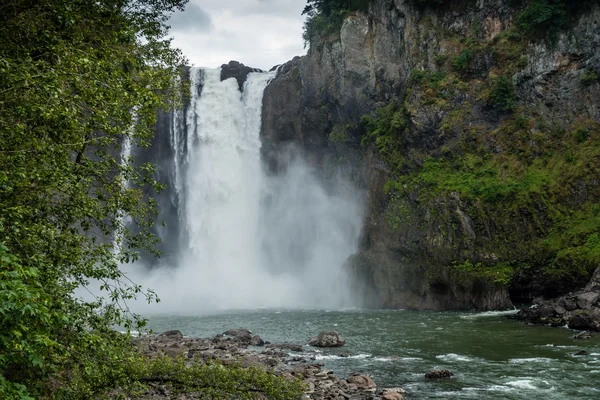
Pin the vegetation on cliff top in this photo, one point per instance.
(325, 17)
(77, 80)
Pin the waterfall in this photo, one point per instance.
(247, 240)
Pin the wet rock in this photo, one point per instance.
(581, 353)
(396, 389)
(239, 333)
(585, 320)
(362, 382)
(438, 374)
(286, 346)
(237, 70)
(327, 339)
(392, 396)
(579, 310)
(174, 334)
(256, 341)
(582, 335)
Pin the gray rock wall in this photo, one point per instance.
(317, 96)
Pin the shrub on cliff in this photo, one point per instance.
(503, 94)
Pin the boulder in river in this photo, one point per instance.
(586, 319)
(327, 339)
(438, 374)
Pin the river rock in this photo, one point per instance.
(327, 339)
(585, 320)
(579, 310)
(582, 335)
(245, 336)
(174, 335)
(362, 382)
(438, 374)
(257, 341)
(286, 346)
(392, 396)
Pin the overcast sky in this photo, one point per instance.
(258, 33)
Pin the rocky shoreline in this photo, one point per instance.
(577, 310)
(290, 361)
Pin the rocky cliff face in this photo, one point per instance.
(479, 152)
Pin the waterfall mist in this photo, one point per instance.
(247, 239)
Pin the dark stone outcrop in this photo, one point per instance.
(439, 374)
(327, 339)
(579, 310)
(245, 336)
(237, 70)
(285, 346)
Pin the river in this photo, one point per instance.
(491, 356)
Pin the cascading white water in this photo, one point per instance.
(248, 240)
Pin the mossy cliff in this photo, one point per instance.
(474, 127)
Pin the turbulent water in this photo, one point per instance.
(246, 239)
(491, 357)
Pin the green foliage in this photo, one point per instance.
(78, 79)
(27, 316)
(549, 17)
(431, 79)
(325, 17)
(543, 15)
(339, 133)
(500, 273)
(503, 94)
(589, 77)
(476, 178)
(385, 129)
(216, 381)
(462, 62)
(212, 380)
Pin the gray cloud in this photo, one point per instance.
(192, 19)
(259, 33)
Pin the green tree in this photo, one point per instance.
(78, 78)
(326, 17)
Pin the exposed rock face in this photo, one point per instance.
(238, 71)
(414, 235)
(327, 339)
(579, 310)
